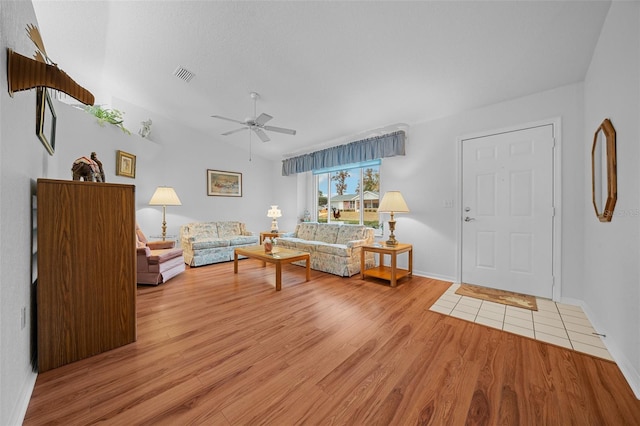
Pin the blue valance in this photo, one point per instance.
(388, 145)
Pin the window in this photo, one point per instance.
(349, 194)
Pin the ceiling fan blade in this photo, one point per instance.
(262, 135)
(228, 119)
(280, 130)
(263, 118)
(234, 131)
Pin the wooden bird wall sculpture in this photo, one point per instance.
(25, 73)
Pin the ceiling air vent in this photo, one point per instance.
(183, 74)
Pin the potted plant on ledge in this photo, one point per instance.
(106, 115)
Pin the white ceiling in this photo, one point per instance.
(331, 70)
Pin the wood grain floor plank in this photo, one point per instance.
(219, 348)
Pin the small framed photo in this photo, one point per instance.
(125, 164)
(46, 120)
(224, 184)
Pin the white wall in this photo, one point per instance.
(600, 261)
(22, 158)
(427, 177)
(611, 284)
(176, 156)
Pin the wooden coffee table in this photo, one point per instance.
(278, 257)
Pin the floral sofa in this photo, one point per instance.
(205, 243)
(333, 248)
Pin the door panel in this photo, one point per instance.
(521, 202)
(486, 185)
(507, 191)
(521, 252)
(486, 250)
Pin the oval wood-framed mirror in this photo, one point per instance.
(604, 178)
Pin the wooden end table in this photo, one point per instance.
(390, 273)
(278, 257)
(269, 234)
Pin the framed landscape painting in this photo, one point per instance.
(224, 184)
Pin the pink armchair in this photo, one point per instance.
(158, 261)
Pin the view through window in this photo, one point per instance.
(349, 194)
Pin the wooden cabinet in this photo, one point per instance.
(86, 291)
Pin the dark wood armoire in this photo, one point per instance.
(86, 287)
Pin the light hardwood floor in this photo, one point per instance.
(223, 349)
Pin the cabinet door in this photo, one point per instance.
(86, 270)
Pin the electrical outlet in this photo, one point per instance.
(23, 318)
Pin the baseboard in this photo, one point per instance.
(628, 371)
(20, 409)
(433, 276)
(626, 367)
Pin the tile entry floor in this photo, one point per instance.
(555, 323)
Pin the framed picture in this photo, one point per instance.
(224, 184)
(45, 120)
(125, 164)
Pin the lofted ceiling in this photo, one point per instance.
(331, 70)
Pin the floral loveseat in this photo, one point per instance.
(212, 242)
(333, 248)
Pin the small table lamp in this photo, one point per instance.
(274, 213)
(164, 196)
(392, 202)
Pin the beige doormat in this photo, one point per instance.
(498, 296)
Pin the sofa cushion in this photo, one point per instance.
(287, 242)
(229, 229)
(166, 265)
(160, 256)
(327, 233)
(306, 231)
(308, 246)
(201, 229)
(243, 240)
(206, 243)
(348, 233)
(335, 249)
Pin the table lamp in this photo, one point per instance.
(164, 196)
(392, 202)
(274, 213)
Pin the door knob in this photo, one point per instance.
(469, 219)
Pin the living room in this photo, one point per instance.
(599, 269)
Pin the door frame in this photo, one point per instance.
(556, 236)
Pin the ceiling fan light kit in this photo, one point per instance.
(256, 123)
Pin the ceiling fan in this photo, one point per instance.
(257, 124)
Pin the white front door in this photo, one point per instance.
(507, 202)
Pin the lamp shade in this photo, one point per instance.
(165, 196)
(393, 202)
(274, 212)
